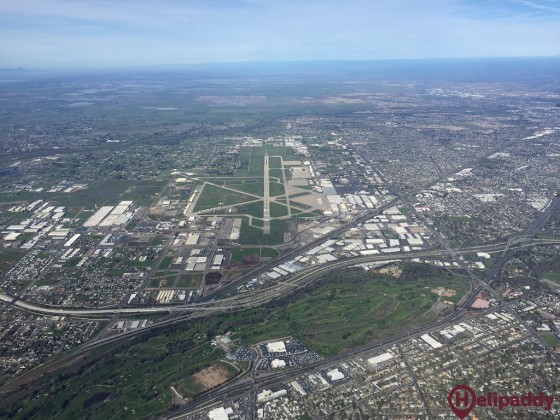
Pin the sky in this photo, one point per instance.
(125, 33)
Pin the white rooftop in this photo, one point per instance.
(276, 347)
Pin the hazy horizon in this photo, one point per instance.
(110, 34)
(289, 66)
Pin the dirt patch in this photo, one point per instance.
(156, 211)
(211, 376)
(392, 270)
(442, 291)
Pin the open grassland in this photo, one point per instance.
(254, 209)
(276, 188)
(213, 196)
(275, 162)
(190, 280)
(251, 185)
(237, 254)
(250, 235)
(278, 210)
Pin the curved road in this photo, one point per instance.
(261, 295)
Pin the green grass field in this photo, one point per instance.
(190, 280)
(404, 210)
(251, 187)
(250, 235)
(550, 339)
(277, 174)
(237, 254)
(165, 263)
(276, 189)
(278, 210)
(274, 163)
(254, 209)
(552, 276)
(213, 196)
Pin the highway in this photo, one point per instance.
(274, 289)
(87, 350)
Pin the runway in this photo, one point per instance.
(266, 197)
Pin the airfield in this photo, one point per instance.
(271, 186)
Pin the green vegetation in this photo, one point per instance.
(550, 339)
(287, 174)
(354, 307)
(9, 257)
(254, 236)
(251, 187)
(158, 240)
(257, 222)
(237, 254)
(165, 263)
(190, 280)
(404, 210)
(252, 159)
(552, 276)
(213, 196)
(254, 209)
(278, 210)
(343, 309)
(137, 380)
(276, 173)
(274, 162)
(47, 281)
(276, 189)
(97, 193)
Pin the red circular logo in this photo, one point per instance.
(462, 400)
